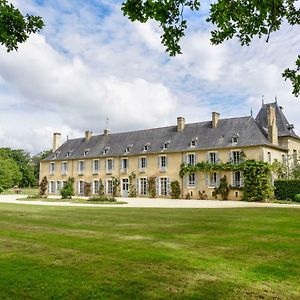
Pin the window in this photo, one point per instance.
(269, 157)
(295, 158)
(96, 186)
(58, 186)
(163, 186)
(166, 144)
(109, 165)
(213, 179)
(163, 163)
(80, 167)
(143, 187)
(64, 168)
(194, 142)
(52, 168)
(68, 154)
(109, 186)
(86, 152)
(146, 147)
(64, 183)
(236, 157)
(191, 180)
(96, 166)
(105, 150)
(128, 148)
(236, 179)
(81, 187)
(142, 164)
(52, 187)
(235, 138)
(55, 155)
(191, 159)
(212, 157)
(124, 165)
(283, 159)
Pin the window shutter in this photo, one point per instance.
(139, 163)
(166, 161)
(147, 186)
(218, 179)
(138, 186)
(112, 164)
(207, 157)
(127, 163)
(50, 168)
(105, 186)
(196, 180)
(230, 156)
(187, 179)
(105, 163)
(217, 157)
(207, 179)
(185, 159)
(242, 178)
(168, 186)
(146, 162)
(157, 186)
(196, 158)
(158, 161)
(232, 178)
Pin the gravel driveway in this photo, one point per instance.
(145, 202)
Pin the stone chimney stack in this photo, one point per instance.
(215, 116)
(106, 132)
(180, 124)
(272, 126)
(56, 141)
(88, 135)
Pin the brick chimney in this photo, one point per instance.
(180, 124)
(106, 132)
(272, 126)
(215, 116)
(88, 135)
(56, 141)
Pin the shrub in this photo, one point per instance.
(87, 189)
(175, 189)
(102, 198)
(297, 198)
(68, 190)
(223, 189)
(132, 187)
(1, 189)
(152, 187)
(115, 186)
(43, 187)
(287, 188)
(188, 196)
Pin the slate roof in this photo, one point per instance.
(246, 128)
(281, 121)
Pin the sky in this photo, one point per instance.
(90, 63)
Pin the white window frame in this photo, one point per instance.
(213, 183)
(164, 186)
(52, 168)
(80, 188)
(163, 166)
(96, 187)
(81, 167)
(95, 170)
(210, 154)
(107, 170)
(193, 161)
(143, 186)
(124, 169)
(64, 168)
(236, 183)
(191, 180)
(58, 187)
(269, 157)
(52, 187)
(142, 164)
(232, 159)
(109, 187)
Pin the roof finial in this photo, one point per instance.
(67, 137)
(262, 99)
(251, 112)
(107, 122)
(276, 99)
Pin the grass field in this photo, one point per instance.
(125, 253)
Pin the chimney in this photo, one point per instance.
(215, 116)
(106, 132)
(56, 141)
(272, 126)
(88, 135)
(180, 124)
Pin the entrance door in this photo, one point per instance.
(125, 187)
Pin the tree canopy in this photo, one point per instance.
(10, 174)
(242, 19)
(15, 27)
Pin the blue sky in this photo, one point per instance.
(90, 63)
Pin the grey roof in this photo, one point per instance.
(281, 121)
(246, 128)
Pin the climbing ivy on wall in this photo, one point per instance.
(257, 176)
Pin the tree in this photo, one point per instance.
(15, 28)
(175, 189)
(232, 18)
(68, 190)
(43, 187)
(10, 174)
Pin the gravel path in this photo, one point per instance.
(144, 202)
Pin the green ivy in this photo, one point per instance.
(257, 176)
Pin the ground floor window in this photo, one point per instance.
(213, 179)
(58, 186)
(237, 179)
(162, 186)
(191, 180)
(143, 187)
(81, 187)
(109, 187)
(96, 186)
(52, 187)
(64, 183)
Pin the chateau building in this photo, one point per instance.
(159, 153)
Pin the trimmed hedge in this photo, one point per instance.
(286, 188)
(297, 198)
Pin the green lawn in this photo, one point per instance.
(125, 253)
(24, 191)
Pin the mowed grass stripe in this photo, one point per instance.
(132, 253)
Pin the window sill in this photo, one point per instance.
(143, 170)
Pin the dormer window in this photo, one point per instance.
(235, 138)
(56, 154)
(146, 147)
(166, 144)
(194, 142)
(105, 150)
(128, 148)
(68, 154)
(85, 153)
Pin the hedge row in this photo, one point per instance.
(287, 189)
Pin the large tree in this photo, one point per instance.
(15, 27)
(243, 19)
(10, 174)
